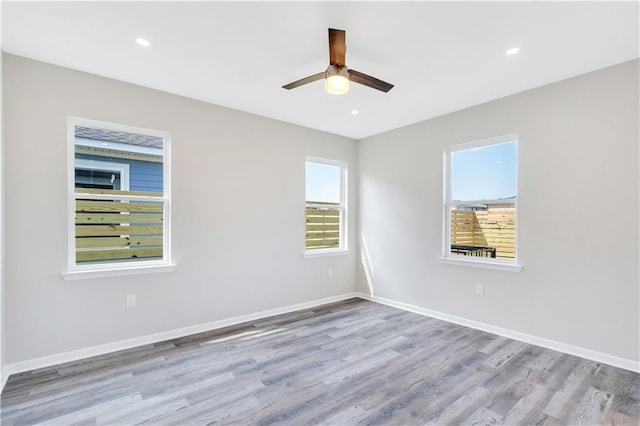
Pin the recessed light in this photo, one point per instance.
(513, 51)
(355, 112)
(143, 42)
(104, 144)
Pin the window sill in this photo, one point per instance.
(116, 272)
(484, 264)
(313, 254)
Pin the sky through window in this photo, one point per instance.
(484, 173)
(323, 182)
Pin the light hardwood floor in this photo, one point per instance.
(353, 362)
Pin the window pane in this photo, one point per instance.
(115, 160)
(110, 231)
(323, 227)
(484, 230)
(323, 183)
(483, 196)
(323, 212)
(484, 173)
(117, 175)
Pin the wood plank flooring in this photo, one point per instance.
(353, 362)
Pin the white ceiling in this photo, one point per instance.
(441, 56)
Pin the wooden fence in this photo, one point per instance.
(495, 227)
(322, 226)
(116, 230)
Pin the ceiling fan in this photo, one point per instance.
(337, 75)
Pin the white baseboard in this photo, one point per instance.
(615, 361)
(50, 360)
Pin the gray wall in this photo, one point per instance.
(577, 213)
(237, 211)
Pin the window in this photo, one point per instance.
(480, 201)
(101, 174)
(118, 197)
(325, 206)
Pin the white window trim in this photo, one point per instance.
(344, 240)
(470, 261)
(75, 271)
(122, 168)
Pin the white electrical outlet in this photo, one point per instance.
(480, 289)
(131, 300)
(330, 272)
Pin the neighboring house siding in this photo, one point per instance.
(143, 175)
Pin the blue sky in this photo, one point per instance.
(323, 182)
(487, 172)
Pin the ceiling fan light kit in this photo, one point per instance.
(337, 76)
(337, 80)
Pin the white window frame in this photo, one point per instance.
(478, 262)
(343, 247)
(75, 271)
(122, 168)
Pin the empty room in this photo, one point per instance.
(338, 213)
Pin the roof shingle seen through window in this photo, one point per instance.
(118, 136)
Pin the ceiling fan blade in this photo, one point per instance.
(304, 81)
(367, 80)
(337, 47)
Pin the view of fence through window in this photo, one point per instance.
(482, 201)
(119, 190)
(324, 209)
